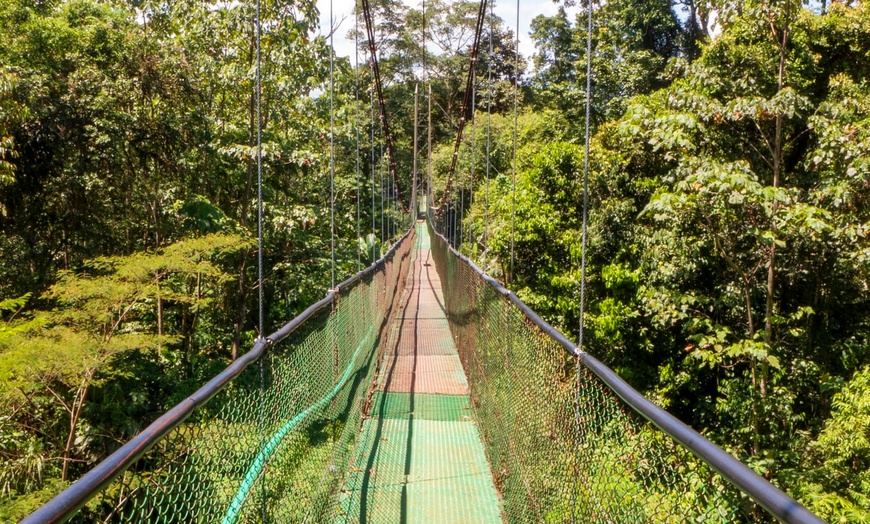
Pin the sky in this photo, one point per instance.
(507, 11)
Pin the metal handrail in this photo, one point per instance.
(771, 498)
(69, 501)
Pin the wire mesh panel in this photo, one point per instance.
(563, 447)
(271, 444)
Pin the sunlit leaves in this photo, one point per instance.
(123, 288)
(119, 305)
(632, 44)
(707, 233)
(841, 125)
(843, 448)
(9, 112)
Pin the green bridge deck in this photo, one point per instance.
(419, 457)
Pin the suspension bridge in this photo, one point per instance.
(420, 390)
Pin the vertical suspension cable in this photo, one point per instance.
(470, 236)
(414, 192)
(381, 171)
(580, 346)
(425, 49)
(488, 142)
(391, 221)
(260, 308)
(388, 215)
(389, 210)
(260, 315)
(356, 131)
(456, 212)
(372, 165)
(335, 303)
(388, 207)
(431, 203)
(460, 232)
(516, 111)
(473, 139)
(447, 222)
(461, 212)
(585, 171)
(429, 100)
(452, 218)
(331, 149)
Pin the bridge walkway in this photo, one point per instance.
(419, 458)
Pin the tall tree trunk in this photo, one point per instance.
(242, 311)
(75, 412)
(777, 172)
(159, 308)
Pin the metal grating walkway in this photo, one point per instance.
(419, 458)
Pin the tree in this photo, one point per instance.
(132, 205)
(746, 251)
(835, 481)
(632, 43)
(725, 214)
(51, 364)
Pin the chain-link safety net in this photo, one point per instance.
(272, 445)
(562, 446)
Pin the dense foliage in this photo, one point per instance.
(128, 217)
(728, 231)
(728, 250)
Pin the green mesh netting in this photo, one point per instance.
(273, 444)
(419, 396)
(562, 446)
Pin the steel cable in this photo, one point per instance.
(510, 276)
(260, 298)
(488, 143)
(356, 132)
(258, 96)
(580, 347)
(331, 149)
